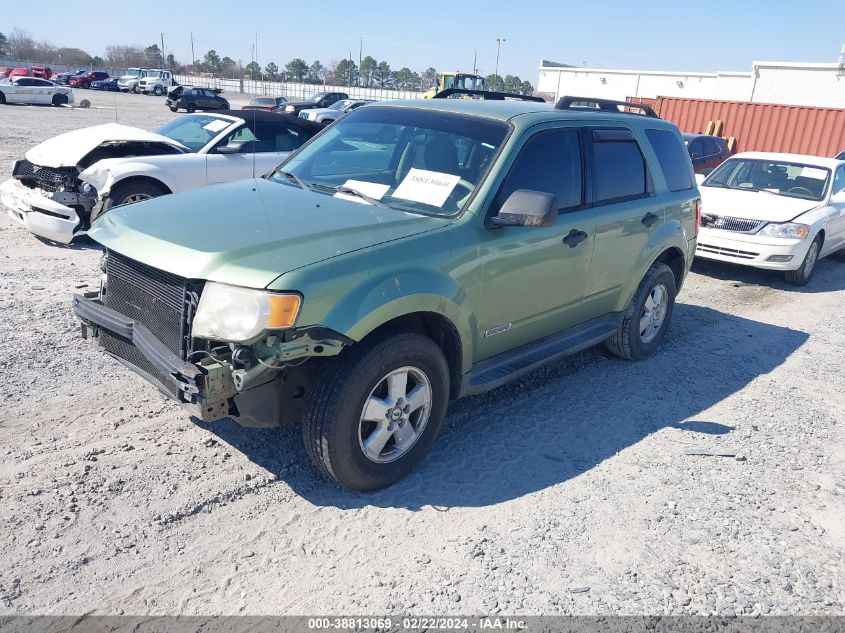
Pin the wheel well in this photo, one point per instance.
(147, 179)
(674, 259)
(440, 330)
(822, 235)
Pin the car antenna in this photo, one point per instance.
(254, 139)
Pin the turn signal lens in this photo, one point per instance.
(697, 215)
(283, 311)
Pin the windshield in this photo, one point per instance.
(133, 72)
(340, 105)
(420, 161)
(155, 74)
(263, 101)
(794, 180)
(317, 97)
(194, 131)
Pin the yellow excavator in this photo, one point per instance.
(456, 79)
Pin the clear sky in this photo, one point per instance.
(659, 35)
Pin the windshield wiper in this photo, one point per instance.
(291, 176)
(349, 191)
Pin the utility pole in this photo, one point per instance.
(360, 53)
(475, 62)
(162, 50)
(193, 57)
(499, 41)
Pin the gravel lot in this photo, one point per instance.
(570, 491)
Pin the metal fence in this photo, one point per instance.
(291, 90)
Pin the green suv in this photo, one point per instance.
(412, 253)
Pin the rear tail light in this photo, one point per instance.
(697, 215)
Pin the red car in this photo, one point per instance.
(42, 72)
(84, 81)
(20, 72)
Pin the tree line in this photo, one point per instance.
(370, 73)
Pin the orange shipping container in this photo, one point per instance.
(762, 127)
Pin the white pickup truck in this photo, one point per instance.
(129, 82)
(157, 82)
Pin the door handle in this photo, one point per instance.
(574, 238)
(650, 218)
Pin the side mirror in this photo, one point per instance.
(700, 178)
(525, 207)
(232, 147)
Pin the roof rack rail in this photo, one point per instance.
(488, 95)
(605, 105)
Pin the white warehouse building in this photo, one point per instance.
(792, 83)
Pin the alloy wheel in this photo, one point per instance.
(654, 313)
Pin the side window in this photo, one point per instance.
(619, 169)
(696, 149)
(673, 158)
(25, 82)
(550, 162)
(710, 147)
(839, 181)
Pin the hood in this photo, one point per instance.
(753, 205)
(66, 150)
(249, 232)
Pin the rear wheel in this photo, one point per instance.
(647, 317)
(59, 100)
(801, 276)
(131, 192)
(376, 414)
(191, 108)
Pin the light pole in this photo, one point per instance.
(499, 41)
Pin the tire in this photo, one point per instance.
(130, 192)
(157, 91)
(633, 342)
(59, 100)
(86, 85)
(801, 276)
(334, 430)
(191, 108)
(172, 109)
(136, 90)
(2, 98)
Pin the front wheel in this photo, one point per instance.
(647, 317)
(376, 414)
(86, 85)
(158, 91)
(59, 100)
(131, 192)
(172, 109)
(801, 276)
(2, 98)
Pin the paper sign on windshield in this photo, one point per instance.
(814, 172)
(428, 187)
(216, 125)
(372, 189)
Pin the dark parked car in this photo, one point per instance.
(109, 85)
(841, 155)
(85, 80)
(706, 152)
(267, 104)
(63, 79)
(319, 100)
(193, 99)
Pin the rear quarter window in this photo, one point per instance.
(619, 168)
(673, 158)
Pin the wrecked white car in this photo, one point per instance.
(64, 183)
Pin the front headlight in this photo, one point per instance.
(229, 313)
(290, 109)
(790, 230)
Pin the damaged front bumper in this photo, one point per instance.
(209, 389)
(44, 213)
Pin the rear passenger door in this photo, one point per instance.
(623, 201)
(533, 280)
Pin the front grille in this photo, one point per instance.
(162, 302)
(727, 252)
(47, 178)
(727, 223)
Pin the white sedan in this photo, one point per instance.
(775, 211)
(34, 91)
(64, 183)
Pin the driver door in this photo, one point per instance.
(534, 278)
(835, 229)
